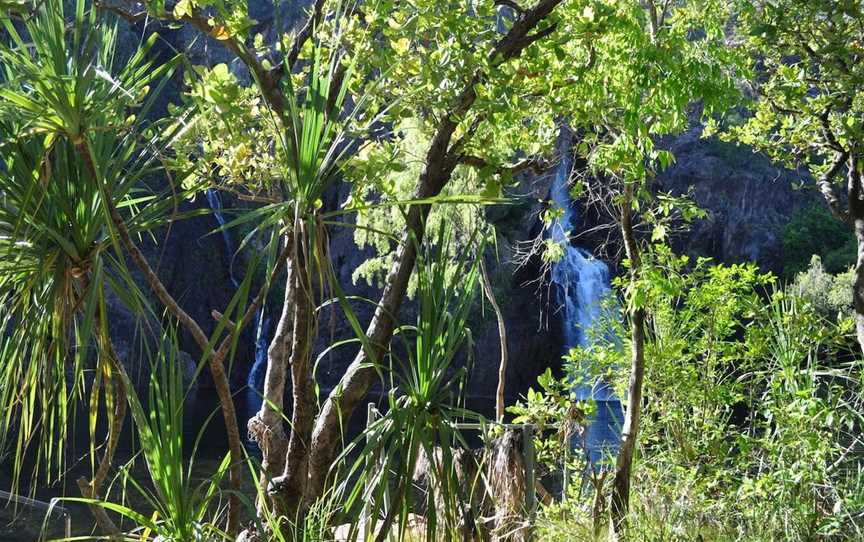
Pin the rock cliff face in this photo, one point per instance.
(747, 199)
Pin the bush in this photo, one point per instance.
(830, 294)
(813, 230)
(749, 415)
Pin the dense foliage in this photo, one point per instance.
(752, 410)
(813, 230)
(742, 394)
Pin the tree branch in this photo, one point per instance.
(513, 43)
(91, 489)
(664, 12)
(486, 283)
(131, 18)
(781, 109)
(854, 190)
(536, 164)
(253, 307)
(828, 133)
(304, 34)
(653, 19)
(829, 190)
(540, 34)
(268, 79)
(217, 369)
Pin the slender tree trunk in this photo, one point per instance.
(290, 487)
(856, 214)
(358, 378)
(630, 431)
(266, 428)
(858, 286)
(92, 489)
(215, 361)
(502, 337)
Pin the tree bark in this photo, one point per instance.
(266, 428)
(856, 214)
(630, 431)
(92, 489)
(220, 378)
(290, 488)
(441, 159)
(858, 286)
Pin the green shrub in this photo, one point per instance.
(749, 415)
(813, 230)
(830, 294)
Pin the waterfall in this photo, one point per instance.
(582, 283)
(255, 379)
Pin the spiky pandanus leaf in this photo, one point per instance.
(183, 507)
(424, 403)
(67, 141)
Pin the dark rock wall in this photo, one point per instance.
(748, 199)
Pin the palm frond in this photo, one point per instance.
(423, 404)
(60, 92)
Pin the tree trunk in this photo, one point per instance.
(92, 489)
(502, 337)
(856, 214)
(358, 378)
(858, 287)
(441, 159)
(215, 361)
(290, 488)
(266, 428)
(630, 431)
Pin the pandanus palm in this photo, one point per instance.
(423, 404)
(67, 147)
(312, 143)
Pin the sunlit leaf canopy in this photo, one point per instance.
(810, 90)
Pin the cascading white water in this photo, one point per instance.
(582, 284)
(255, 380)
